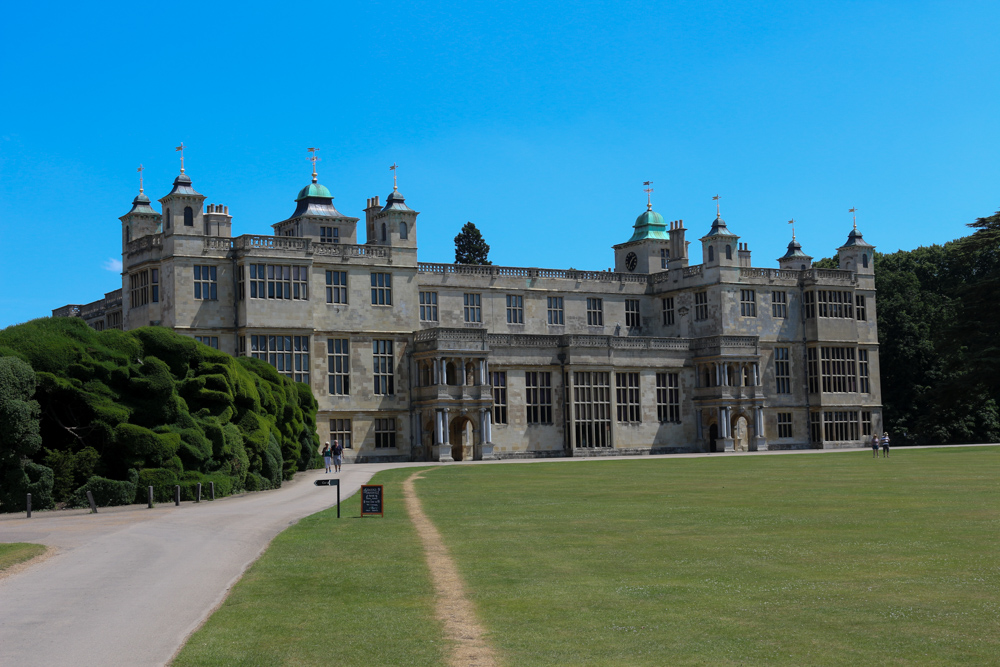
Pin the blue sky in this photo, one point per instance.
(537, 121)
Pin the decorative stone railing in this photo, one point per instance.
(491, 271)
(67, 311)
(252, 242)
(832, 274)
(442, 333)
(522, 340)
(769, 274)
(743, 344)
(692, 271)
(111, 301)
(144, 243)
(625, 342)
(348, 250)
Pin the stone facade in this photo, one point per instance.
(418, 361)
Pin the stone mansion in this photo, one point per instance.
(443, 362)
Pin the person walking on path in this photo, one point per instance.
(338, 455)
(885, 445)
(875, 446)
(326, 456)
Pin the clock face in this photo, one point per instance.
(630, 261)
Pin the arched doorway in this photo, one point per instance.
(713, 435)
(460, 436)
(741, 435)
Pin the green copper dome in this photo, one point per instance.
(649, 225)
(314, 190)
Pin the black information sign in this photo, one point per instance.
(331, 482)
(371, 500)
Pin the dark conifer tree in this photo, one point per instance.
(470, 248)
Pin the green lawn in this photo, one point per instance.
(798, 559)
(12, 553)
(330, 591)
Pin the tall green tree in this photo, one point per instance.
(20, 438)
(470, 248)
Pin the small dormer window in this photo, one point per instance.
(864, 260)
(711, 254)
(729, 251)
(402, 230)
(188, 216)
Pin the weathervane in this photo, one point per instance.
(181, 149)
(649, 192)
(314, 159)
(716, 199)
(854, 210)
(792, 223)
(140, 178)
(393, 170)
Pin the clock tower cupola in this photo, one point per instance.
(649, 248)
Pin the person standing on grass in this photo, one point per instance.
(885, 445)
(338, 455)
(326, 456)
(875, 446)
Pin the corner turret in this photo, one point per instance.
(857, 254)
(794, 259)
(141, 220)
(719, 247)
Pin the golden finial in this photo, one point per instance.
(854, 210)
(716, 199)
(181, 149)
(140, 178)
(792, 223)
(314, 159)
(649, 191)
(393, 170)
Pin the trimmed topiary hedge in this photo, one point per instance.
(150, 401)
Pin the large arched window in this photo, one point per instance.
(729, 251)
(188, 216)
(711, 254)
(168, 218)
(402, 230)
(864, 260)
(384, 237)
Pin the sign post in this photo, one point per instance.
(371, 500)
(331, 482)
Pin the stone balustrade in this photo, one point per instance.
(491, 271)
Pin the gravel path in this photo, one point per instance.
(128, 585)
(454, 608)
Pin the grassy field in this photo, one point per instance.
(347, 591)
(12, 553)
(800, 559)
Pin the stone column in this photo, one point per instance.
(700, 430)
(727, 440)
(570, 420)
(443, 448)
(759, 440)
